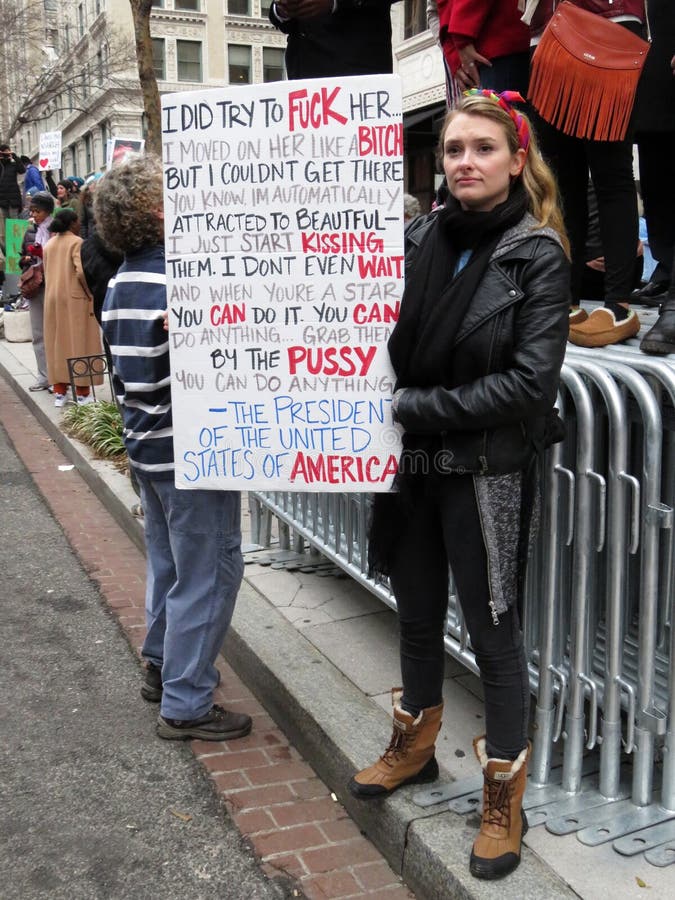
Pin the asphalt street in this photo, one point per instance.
(92, 804)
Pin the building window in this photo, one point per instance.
(80, 19)
(158, 3)
(104, 141)
(88, 158)
(273, 64)
(415, 17)
(239, 7)
(159, 58)
(187, 4)
(189, 57)
(239, 60)
(99, 66)
(265, 8)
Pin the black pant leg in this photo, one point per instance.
(656, 154)
(419, 580)
(611, 164)
(507, 73)
(499, 648)
(567, 158)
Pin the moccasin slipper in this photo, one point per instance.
(601, 329)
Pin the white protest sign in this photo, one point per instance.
(49, 156)
(284, 247)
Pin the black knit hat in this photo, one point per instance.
(43, 200)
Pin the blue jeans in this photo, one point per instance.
(194, 570)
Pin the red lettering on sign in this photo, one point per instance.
(380, 140)
(331, 360)
(331, 469)
(314, 111)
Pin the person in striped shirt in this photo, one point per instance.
(193, 537)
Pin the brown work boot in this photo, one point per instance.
(496, 850)
(409, 758)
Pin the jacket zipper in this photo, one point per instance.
(491, 602)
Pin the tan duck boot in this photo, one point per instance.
(496, 850)
(409, 758)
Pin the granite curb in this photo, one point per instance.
(336, 727)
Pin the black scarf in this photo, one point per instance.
(430, 318)
(429, 321)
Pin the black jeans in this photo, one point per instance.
(444, 528)
(507, 73)
(611, 168)
(657, 151)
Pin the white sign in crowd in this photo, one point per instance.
(49, 156)
(284, 247)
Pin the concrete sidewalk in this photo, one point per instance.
(321, 653)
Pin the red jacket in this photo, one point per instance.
(607, 8)
(493, 26)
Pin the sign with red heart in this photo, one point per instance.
(50, 150)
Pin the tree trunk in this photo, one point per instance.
(146, 72)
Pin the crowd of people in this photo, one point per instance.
(495, 279)
(63, 317)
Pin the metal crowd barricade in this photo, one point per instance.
(599, 620)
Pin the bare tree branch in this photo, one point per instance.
(74, 82)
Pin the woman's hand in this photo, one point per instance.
(470, 59)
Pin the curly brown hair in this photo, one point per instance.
(128, 205)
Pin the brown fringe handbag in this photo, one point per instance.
(585, 72)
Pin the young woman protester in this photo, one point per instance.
(477, 353)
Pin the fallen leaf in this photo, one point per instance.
(641, 883)
(184, 817)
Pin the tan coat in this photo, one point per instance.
(70, 327)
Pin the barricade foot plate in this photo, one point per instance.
(572, 806)
(662, 856)
(647, 838)
(636, 818)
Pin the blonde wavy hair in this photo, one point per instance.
(128, 201)
(538, 180)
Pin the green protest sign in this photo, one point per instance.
(14, 232)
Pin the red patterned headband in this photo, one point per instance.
(504, 100)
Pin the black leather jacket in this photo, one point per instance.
(506, 358)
